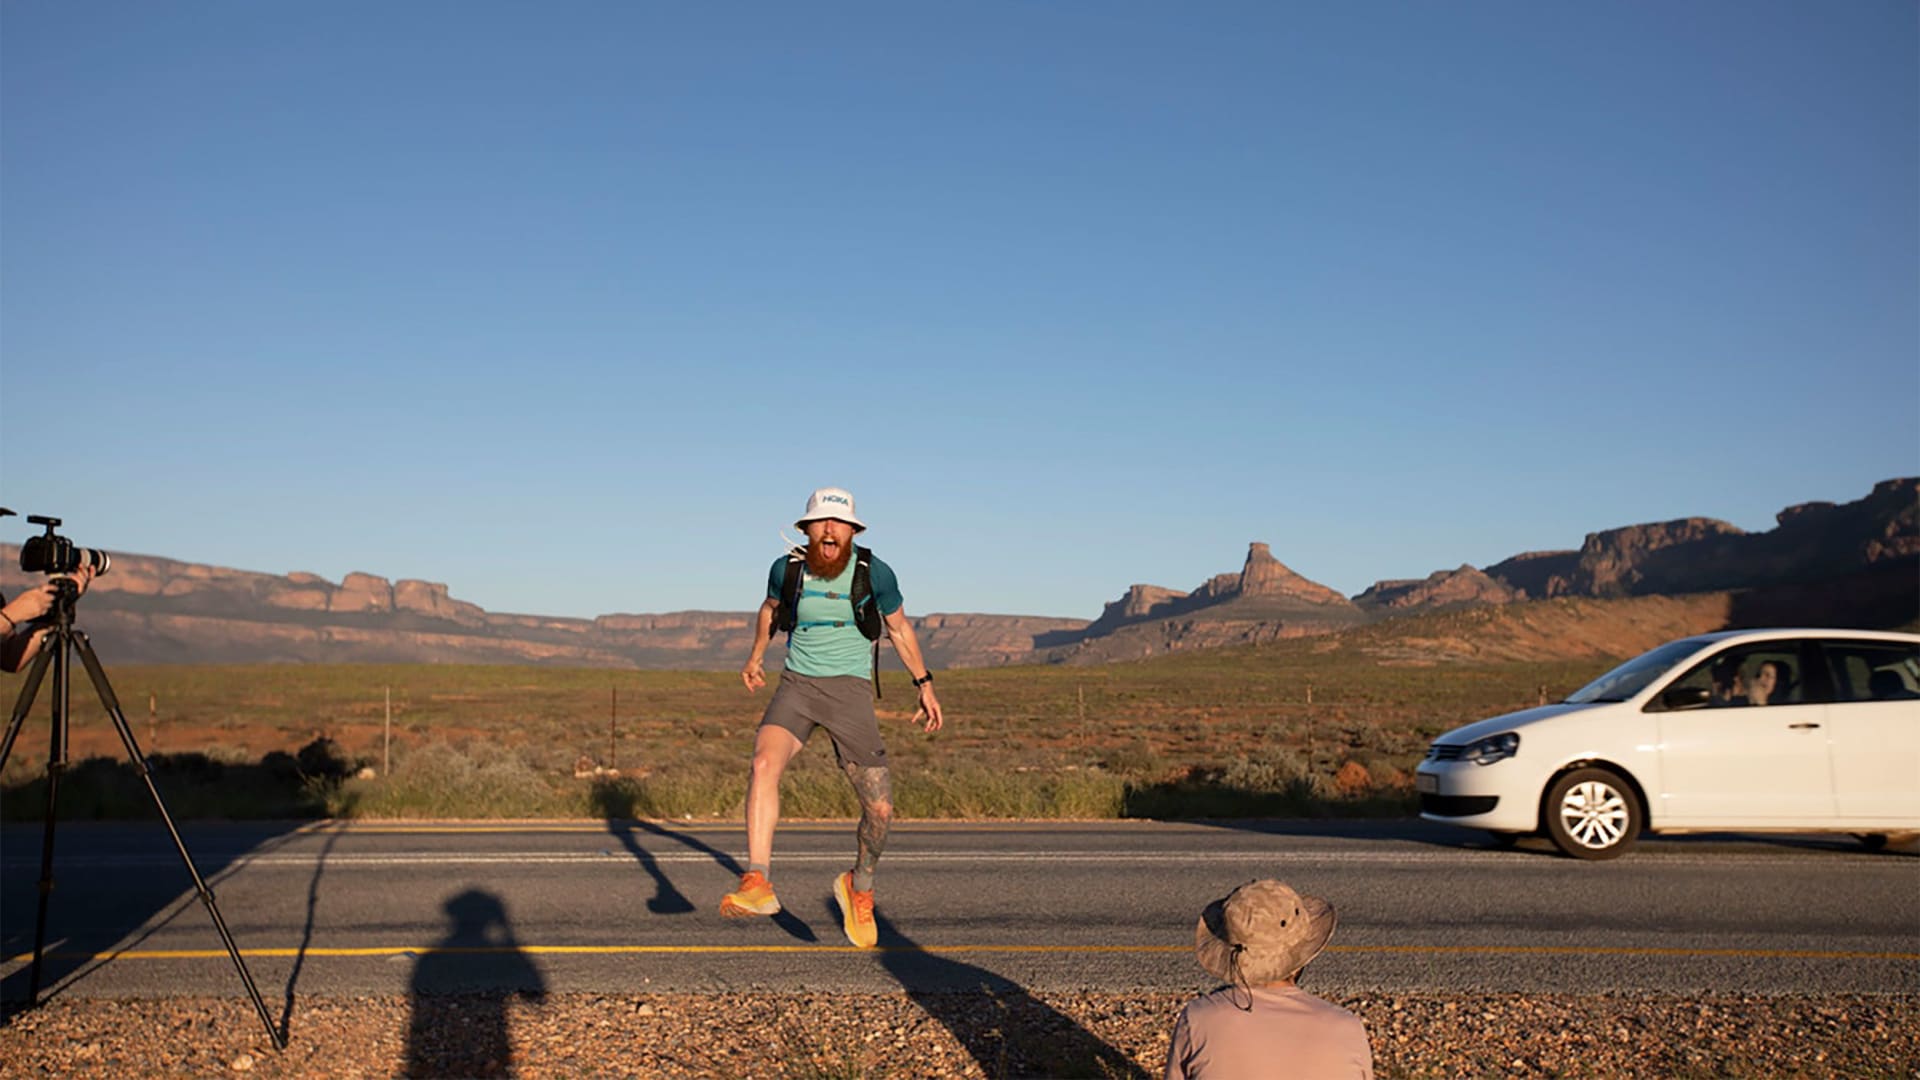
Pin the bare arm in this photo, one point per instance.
(20, 648)
(908, 646)
(21, 641)
(753, 674)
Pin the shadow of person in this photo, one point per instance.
(1010, 1032)
(461, 989)
(616, 803)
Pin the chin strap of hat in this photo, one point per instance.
(1237, 979)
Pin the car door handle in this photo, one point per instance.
(1801, 727)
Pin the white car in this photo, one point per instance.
(1747, 731)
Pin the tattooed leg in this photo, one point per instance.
(874, 785)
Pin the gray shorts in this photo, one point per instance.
(843, 704)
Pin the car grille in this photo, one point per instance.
(1458, 805)
(1438, 752)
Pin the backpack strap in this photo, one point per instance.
(789, 614)
(866, 610)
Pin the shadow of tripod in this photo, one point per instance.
(62, 639)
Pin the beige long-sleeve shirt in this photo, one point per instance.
(1287, 1033)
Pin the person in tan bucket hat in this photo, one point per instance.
(1257, 939)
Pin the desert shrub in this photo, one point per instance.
(1134, 757)
(481, 779)
(282, 766)
(322, 760)
(1274, 769)
(191, 785)
(977, 791)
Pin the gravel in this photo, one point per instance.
(976, 1034)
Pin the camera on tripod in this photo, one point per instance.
(52, 553)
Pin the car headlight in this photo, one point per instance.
(1492, 748)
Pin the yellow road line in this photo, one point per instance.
(408, 828)
(722, 950)
(601, 825)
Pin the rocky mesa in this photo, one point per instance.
(158, 610)
(1855, 563)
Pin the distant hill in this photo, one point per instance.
(158, 610)
(1811, 544)
(1265, 601)
(1854, 563)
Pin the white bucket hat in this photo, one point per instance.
(1261, 933)
(830, 503)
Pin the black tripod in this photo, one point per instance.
(64, 636)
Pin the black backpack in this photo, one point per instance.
(866, 613)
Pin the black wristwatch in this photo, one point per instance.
(924, 679)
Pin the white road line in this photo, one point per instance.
(1389, 859)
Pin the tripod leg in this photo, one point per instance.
(54, 770)
(112, 703)
(23, 704)
(21, 707)
(56, 765)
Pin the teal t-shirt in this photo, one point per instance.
(825, 640)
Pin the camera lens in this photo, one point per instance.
(57, 555)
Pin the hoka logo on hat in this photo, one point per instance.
(830, 503)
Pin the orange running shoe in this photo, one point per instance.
(754, 897)
(856, 911)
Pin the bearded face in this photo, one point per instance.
(829, 547)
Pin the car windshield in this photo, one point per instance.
(1633, 676)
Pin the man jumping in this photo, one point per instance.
(831, 600)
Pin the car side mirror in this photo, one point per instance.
(1685, 697)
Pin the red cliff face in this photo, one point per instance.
(1613, 562)
(1816, 546)
(1264, 575)
(1849, 564)
(160, 610)
(1532, 574)
(1265, 600)
(1139, 602)
(1442, 588)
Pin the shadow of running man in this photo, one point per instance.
(617, 803)
(1012, 1033)
(461, 989)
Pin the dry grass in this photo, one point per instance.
(1305, 726)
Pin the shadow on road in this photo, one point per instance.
(461, 991)
(114, 887)
(1433, 834)
(115, 884)
(306, 933)
(616, 805)
(1006, 1030)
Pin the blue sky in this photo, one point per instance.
(569, 306)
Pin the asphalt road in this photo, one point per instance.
(631, 906)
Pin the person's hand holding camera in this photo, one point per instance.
(26, 607)
(22, 639)
(37, 601)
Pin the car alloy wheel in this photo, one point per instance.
(1592, 814)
